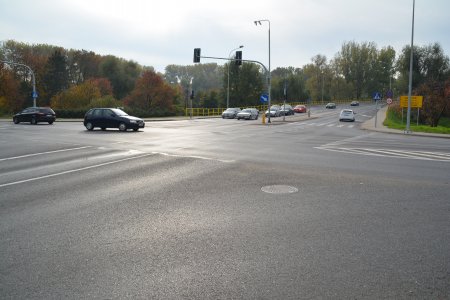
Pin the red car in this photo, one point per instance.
(300, 109)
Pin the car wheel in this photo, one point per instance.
(33, 121)
(256, 118)
(89, 126)
(103, 128)
(123, 127)
(16, 120)
(50, 122)
(135, 129)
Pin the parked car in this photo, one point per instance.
(248, 114)
(230, 113)
(354, 103)
(286, 110)
(330, 105)
(111, 118)
(35, 115)
(347, 115)
(275, 111)
(300, 108)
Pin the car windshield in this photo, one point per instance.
(119, 112)
(246, 110)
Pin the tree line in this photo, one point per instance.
(79, 79)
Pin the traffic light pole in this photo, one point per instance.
(197, 57)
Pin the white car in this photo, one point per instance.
(248, 114)
(347, 115)
(230, 113)
(275, 111)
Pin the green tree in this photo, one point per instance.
(246, 84)
(121, 73)
(293, 79)
(56, 78)
(358, 63)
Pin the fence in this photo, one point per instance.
(210, 112)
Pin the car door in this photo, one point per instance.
(111, 119)
(27, 114)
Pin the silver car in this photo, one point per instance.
(275, 111)
(248, 114)
(230, 113)
(347, 115)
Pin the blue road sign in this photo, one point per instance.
(389, 94)
(34, 95)
(376, 96)
(264, 98)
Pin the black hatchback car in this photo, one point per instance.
(111, 118)
(35, 115)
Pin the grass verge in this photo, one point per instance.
(395, 122)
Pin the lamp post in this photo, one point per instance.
(258, 22)
(408, 115)
(228, 86)
(32, 77)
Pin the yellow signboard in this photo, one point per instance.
(416, 101)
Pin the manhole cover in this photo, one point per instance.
(279, 189)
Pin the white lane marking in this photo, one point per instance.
(74, 170)
(43, 153)
(194, 156)
(418, 155)
(121, 153)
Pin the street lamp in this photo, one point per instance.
(258, 22)
(408, 115)
(32, 77)
(228, 86)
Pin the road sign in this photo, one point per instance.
(389, 101)
(264, 98)
(416, 101)
(389, 94)
(34, 95)
(376, 96)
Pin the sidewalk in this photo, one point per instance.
(379, 127)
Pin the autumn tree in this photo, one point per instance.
(85, 95)
(436, 101)
(151, 92)
(11, 100)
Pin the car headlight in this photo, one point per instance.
(133, 121)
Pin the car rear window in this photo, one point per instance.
(46, 110)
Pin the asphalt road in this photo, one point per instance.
(220, 209)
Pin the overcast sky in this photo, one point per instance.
(162, 32)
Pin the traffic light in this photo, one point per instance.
(196, 55)
(238, 58)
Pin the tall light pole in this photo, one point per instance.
(229, 64)
(408, 115)
(32, 78)
(258, 22)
